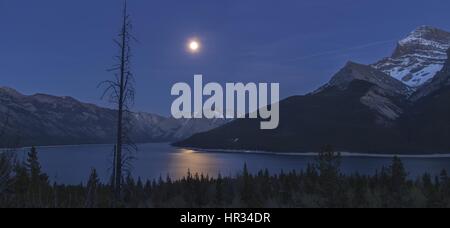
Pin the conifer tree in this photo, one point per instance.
(398, 175)
(22, 179)
(38, 182)
(34, 169)
(6, 169)
(444, 189)
(445, 182)
(328, 165)
(398, 183)
(219, 190)
(247, 193)
(92, 190)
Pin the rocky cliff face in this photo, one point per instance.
(441, 80)
(379, 98)
(354, 71)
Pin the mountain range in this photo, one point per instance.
(399, 105)
(396, 105)
(42, 119)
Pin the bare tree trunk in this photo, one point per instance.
(121, 92)
(119, 145)
(113, 178)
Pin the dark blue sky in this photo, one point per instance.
(63, 47)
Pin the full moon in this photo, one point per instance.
(194, 46)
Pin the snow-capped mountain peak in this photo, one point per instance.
(428, 36)
(418, 57)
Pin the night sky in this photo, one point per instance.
(64, 47)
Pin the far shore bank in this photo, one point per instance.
(313, 154)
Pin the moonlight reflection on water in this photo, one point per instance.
(185, 160)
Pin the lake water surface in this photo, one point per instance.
(72, 164)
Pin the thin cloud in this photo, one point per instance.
(340, 51)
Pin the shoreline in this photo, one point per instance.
(224, 151)
(313, 154)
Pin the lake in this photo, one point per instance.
(72, 164)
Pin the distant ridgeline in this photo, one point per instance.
(398, 105)
(50, 120)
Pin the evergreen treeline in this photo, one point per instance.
(23, 184)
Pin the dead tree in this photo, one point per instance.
(121, 93)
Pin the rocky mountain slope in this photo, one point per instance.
(42, 119)
(361, 118)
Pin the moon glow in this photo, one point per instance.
(194, 46)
